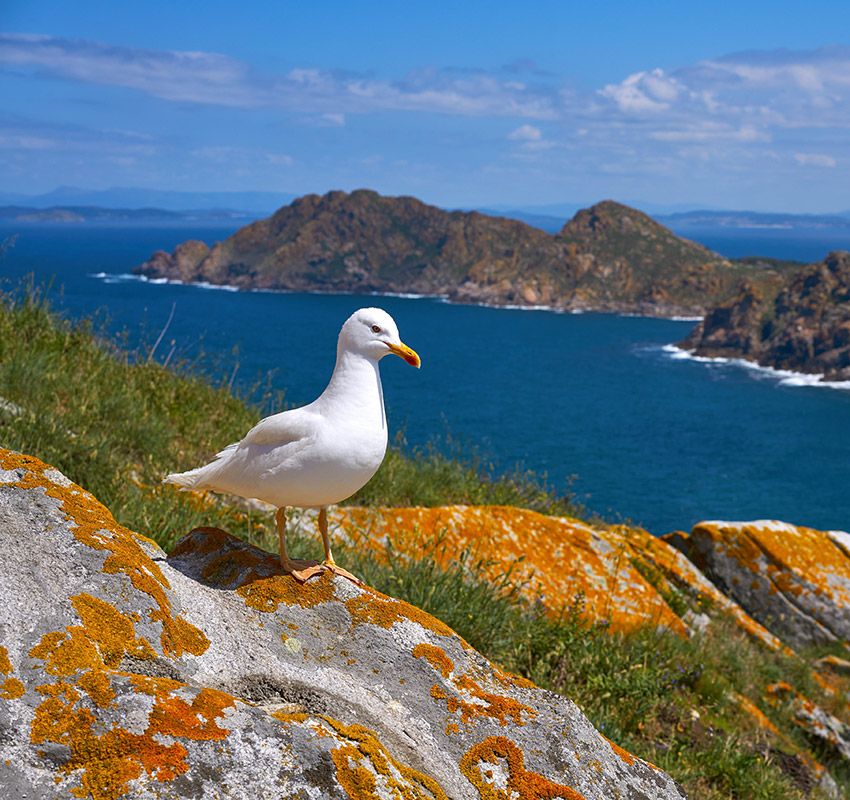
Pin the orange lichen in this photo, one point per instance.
(108, 759)
(373, 608)
(549, 558)
(435, 656)
(680, 573)
(471, 700)
(788, 559)
(95, 527)
(362, 760)
(480, 763)
(624, 755)
(10, 688)
(757, 715)
(5, 663)
(266, 594)
(90, 649)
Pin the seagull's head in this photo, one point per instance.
(372, 333)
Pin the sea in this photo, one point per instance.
(605, 406)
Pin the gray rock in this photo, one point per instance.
(126, 673)
(793, 580)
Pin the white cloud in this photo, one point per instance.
(525, 133)
(219, 80)
(815, 160)
(280, 159)
(641, 92)
(333, 120)
(710, 131)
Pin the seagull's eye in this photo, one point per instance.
(376, 329)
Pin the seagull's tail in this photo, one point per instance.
(185, 480)
(197, 478)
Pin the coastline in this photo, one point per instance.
(784, 377)
(675, 315)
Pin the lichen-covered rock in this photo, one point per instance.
(622, 576)
(126, 673)
(793, 580)
(814, 720)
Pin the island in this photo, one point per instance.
(609, 257)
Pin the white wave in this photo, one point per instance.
(224, 287)
(783, 377)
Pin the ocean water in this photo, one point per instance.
(601, 403)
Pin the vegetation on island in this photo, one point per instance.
(115, 422)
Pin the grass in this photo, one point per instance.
(116, 423)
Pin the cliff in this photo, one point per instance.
(801, 325)
(609, 257)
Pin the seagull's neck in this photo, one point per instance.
(354, 391)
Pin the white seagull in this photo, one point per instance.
(321, 453)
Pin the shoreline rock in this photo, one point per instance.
(802, 326)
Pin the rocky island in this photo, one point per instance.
(802, 324)
(609, 257)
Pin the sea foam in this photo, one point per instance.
(784, 377)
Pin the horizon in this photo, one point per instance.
(476, 107)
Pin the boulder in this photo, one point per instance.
(128, 673)
(621, 576)
(794, 580)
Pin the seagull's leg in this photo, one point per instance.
(329, 562)
(300, 570)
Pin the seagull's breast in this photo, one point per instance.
(328, 467)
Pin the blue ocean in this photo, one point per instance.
(599, 403)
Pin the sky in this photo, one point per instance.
(472, 104)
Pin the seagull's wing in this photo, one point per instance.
(279, 429)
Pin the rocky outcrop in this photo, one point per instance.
(619, 576)
(794, 580)
(128, 673)
(610, 257)
(802, 325)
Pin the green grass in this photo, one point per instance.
(115, 423)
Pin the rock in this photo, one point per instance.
(817, 723)
(794, 580)
(129, 673)
(839, 666)
(802, 324)
(621, 576)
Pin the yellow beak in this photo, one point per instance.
(403, 351)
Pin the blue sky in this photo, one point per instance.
(461, 104)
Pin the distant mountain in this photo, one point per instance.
(24, 215)
(134, 198)
(753, 219)
(802, 324)
(609, 257)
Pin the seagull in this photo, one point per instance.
(321, 453)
